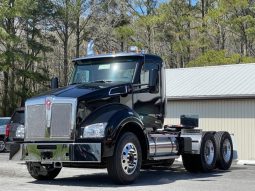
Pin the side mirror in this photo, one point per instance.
(153, 79)
(54, 83)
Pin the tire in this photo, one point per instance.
(2, 146)
(124, 166)
(206, 160)
(224, 148)
(190, 162)
(39, 172)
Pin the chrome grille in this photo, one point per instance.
(61, 120)
(36, 121)
(50, 118)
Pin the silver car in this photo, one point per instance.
(3, 122)
(15, 128)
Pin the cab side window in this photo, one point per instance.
(145, 72)
(144, 76)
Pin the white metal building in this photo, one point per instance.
(222, 96)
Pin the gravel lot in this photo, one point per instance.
(14, 176)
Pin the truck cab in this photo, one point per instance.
(112, 115)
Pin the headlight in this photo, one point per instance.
(94, 130)
(20, 132)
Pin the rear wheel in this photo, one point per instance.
(40, 172)
(224, 150)
(205, 161)
(208, 152)
(124, 166)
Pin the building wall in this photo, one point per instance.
(236, 116)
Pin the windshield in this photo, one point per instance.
(104, 71)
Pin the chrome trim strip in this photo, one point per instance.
(165, 157)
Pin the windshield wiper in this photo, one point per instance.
(101, 81)
(96, 81)
(75, 83)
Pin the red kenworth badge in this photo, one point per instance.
(48, 104)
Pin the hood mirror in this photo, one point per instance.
(54, 83)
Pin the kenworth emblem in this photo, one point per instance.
(48, 105)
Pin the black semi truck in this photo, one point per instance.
(111, 115)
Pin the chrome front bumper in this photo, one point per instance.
(57, 152)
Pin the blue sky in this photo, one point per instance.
(194, 2)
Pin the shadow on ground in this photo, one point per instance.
(155, 176)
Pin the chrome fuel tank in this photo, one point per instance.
(162, 145)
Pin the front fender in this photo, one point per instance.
(117, 116)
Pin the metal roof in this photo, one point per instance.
(211, 82)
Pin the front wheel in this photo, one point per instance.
(124, 166)
(40, 172)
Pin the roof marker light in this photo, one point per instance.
(133, 49)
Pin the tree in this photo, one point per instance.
(9, 10)
(22, 45)
(175, 24)
(106, 25)
(34, 46)
(63, 23)
(241, 23)
(38, 38)
(84, 10)
(219, 57)
(144, 11)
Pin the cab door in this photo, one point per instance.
(149, 105)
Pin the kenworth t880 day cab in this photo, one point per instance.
(112, 115)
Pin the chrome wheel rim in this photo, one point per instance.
(209, 152)
(2, 145)
(129, 158)
(226, 150)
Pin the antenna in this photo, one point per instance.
(90, 50)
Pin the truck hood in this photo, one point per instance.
(88, 90)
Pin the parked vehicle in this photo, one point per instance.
(15, 128)
(112, 115)
(3, 122)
